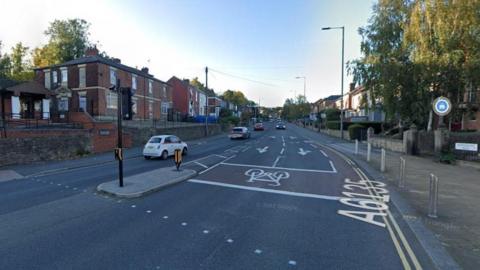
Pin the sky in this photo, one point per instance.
(256, 46)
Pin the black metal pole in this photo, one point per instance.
(206, 101)
(119, 133)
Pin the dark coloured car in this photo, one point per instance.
(280, 126)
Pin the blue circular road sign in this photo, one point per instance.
(442, 106)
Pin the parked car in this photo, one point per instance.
(239, 133)
(163, 146)
(258, 126)
(280, 125)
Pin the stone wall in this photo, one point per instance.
(141, 135)
(336, 133)
(387, 143)
(26, 150)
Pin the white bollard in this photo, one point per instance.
(369, 151)
(382, 161)
(356, 147)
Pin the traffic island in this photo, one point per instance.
(142, 184)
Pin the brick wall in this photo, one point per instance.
(60, 146)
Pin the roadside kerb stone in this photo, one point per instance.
(142, 184)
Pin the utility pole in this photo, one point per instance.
(341, 107)
(206, 101)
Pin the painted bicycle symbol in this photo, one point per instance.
(272, 177)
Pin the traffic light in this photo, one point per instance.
(127, 104)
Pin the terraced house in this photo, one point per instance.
(84, 84)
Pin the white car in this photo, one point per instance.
(163, 146)
(239, 133)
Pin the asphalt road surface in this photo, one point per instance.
(275, 201)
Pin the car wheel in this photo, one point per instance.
(184, 151)
(164, 154)
(147, 157)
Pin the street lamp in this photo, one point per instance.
(343, 52)
(304, 85)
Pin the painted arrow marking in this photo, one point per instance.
(303, 152)
(262, 150)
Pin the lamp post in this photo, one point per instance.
(343, 61)
(304, 85)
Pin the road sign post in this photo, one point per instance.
(178, 158)
(442, 107)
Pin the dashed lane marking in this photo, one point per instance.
(283, 150)
(201, 165)
(323, 153)
(276, 161)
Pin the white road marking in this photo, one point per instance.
(274, 191)
(283, 140)
(133, 206)
(283, 150)
(267, 167)
(148, 211)
(184, 223)
(323, 153)
(276, 161)
(292, 262)
(313, 145)
(292, 137)
(201, 165)
(245, 150)
(333, 167)
(229, 240)
(59, 184)
(303, 152)
(220, 156)
(283, 144)
(205, 231)
(214, 166)
(262, 150)
(165, 217)
(258, 251)
(74, 188)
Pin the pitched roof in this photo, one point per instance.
(5, 83)
(18, 87)
(99, 59)
(332, 98)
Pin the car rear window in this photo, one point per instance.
(237, 130)
(155, 140)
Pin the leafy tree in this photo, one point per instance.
(209, 92)
(68, 39)
(235, 97)
(20, 67)
(5, 63)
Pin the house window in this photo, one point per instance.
(55, 78)
(150, 86)
(113, 76)
(82, 77)
(64, 76)
(47, 80)
(150, 109)
(134, 105)
(63, 104)
(111, 100)
(164, 91)
(165, 107)
(134, 82)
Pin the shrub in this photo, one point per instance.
(333, 125)
(332, 114)
(232, 120)
(355, 131)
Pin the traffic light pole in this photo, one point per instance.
(119, 132)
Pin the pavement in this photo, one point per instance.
(144, 183)
(457, 226)
(284, 199)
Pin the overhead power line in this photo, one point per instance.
(242, 78)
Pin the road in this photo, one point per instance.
(281, 200)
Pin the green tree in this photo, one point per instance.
(235, 97)
(5, 63)
(21, 69)
(68, 39)
(209, 92)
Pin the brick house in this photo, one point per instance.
(83, 85)
(23, 100)
(188, 101)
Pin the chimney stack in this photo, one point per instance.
(145, 70)
(91, 51)
(117, 60)
(352, 86)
